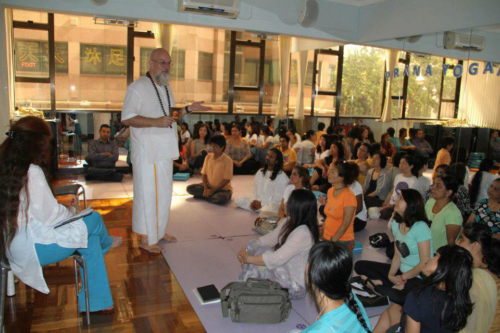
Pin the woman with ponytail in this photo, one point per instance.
(442, 304)
(328, 281)
(485, 250)
(482, 181)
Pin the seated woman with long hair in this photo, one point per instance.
(265, 143)
(320, 174)
(299, 179)
(328, 273)
(442, 303)
(340, 206)
(485, 251)
(377, 184)
(281, 255)
(199, 146)
(412, 249)
(29, 213)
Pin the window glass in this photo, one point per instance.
(271, 77)
(27, 15)
(205, 65)
(424, 88)
(32, 53)
(362, 81)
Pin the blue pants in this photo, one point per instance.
(99, 243)
(260, 154)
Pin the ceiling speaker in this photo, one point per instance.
(308, 14)
(99, 2)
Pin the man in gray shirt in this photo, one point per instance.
(422, 147)
(102, 158)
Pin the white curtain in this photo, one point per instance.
(284, 58)
(391, 61)
(480, 98)
(301, 71)
(164, 36)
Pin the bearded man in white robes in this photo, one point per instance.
(147, 110)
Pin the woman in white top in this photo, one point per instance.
(481, 181)
(422, 164)
(299, 179)
(281, 255)
(260, 151)
(306, 149)
(30, 213)
(322, 149)
(406, 179)
(253, 134)
(185, 133)
(294, 138)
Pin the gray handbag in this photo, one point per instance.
(256, 301)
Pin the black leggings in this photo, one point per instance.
(249, 167)
(380, 271)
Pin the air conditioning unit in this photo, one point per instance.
(457, 41)
(222, 8)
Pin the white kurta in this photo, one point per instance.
(153, 151)
(36, 225)
(268, 192)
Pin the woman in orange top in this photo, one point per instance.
(341, 205)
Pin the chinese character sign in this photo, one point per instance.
(103, 59)
(32, 58)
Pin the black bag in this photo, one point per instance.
(379, 240)
(366, 295)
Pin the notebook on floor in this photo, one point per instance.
(207, 294)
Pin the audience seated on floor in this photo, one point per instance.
(185, 133)
(340, 206)
(487, 211)
(481, 181)
(270, 183)
(386, 147)
(422, 164)
(306, 149)
(239, 151)
(412, 249)
(281, 255)
(181, 164)
(253, 133)
(289, 155)
(377, 184)
(393, 170)
(406, 179)
(294, 138)
(446, 219)
(30, 213)
(102, 157)
(299, 179)
(442, 303)
(328, 274)
(322, 148)
(363, 161)
(266, 142)
(200, 146)
(443, 155)
(485, 251)
(320, 132)
(402, 143)
(319, 179)
(339, 131)
(216, 174)
(422, 146)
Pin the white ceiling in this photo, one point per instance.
(358, 3)
(490, 28)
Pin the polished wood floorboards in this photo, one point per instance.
(146, 294)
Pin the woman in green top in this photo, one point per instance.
(445, 217)
(402, 143)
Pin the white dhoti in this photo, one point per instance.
(152, 198)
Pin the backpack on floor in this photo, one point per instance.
(256, 301)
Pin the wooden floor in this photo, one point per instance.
(146, 294)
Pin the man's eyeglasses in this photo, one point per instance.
(163, 63)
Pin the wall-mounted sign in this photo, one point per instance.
(103, 59)
(457, 70)
(32, 57)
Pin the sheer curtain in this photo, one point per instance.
(391, 61)
(285, 44)
(301, 76)
(480, 98)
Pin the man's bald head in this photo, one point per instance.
(160, 63)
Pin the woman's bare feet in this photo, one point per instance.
(117, 241)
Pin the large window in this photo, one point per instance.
(362, 81)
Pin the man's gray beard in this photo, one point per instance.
(162, 79)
